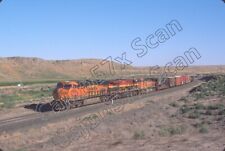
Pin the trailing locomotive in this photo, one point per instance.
(70, 94)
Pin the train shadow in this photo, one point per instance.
(40, 107)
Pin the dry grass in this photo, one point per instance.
(17, 69)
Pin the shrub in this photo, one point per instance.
(184, 109)
(222, 112)
(183, 99)
(110, 113)
(90, 117)
(208, 112)
(170, 131)
(198, 96)
(216, 107)
(199, 106)
(174, 104)
(203, 129)
(194, 115)
(139, 135)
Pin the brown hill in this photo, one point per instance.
(35, 69)
(30, 69)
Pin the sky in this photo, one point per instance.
(72, 29)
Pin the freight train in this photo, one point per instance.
(71, 94)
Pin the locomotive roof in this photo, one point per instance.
(68, 82)
(102, 82)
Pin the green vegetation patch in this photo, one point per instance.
(214, 87)
(194, 115)
(139, 135)
(19, 96)
(202, 127)
(174, 104)
(172, 130)
(216, 107)
(90, 117)
(197, 110)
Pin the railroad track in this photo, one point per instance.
(37, 119)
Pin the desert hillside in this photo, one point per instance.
(30, 69)
(14, 69)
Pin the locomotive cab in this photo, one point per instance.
(62, 88)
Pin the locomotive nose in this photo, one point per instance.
(56, 94)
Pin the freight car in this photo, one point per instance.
(72, 94)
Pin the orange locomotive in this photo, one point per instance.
(71, 94)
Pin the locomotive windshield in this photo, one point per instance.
(67, 86)
(59, 85)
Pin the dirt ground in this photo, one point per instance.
(151, 124)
